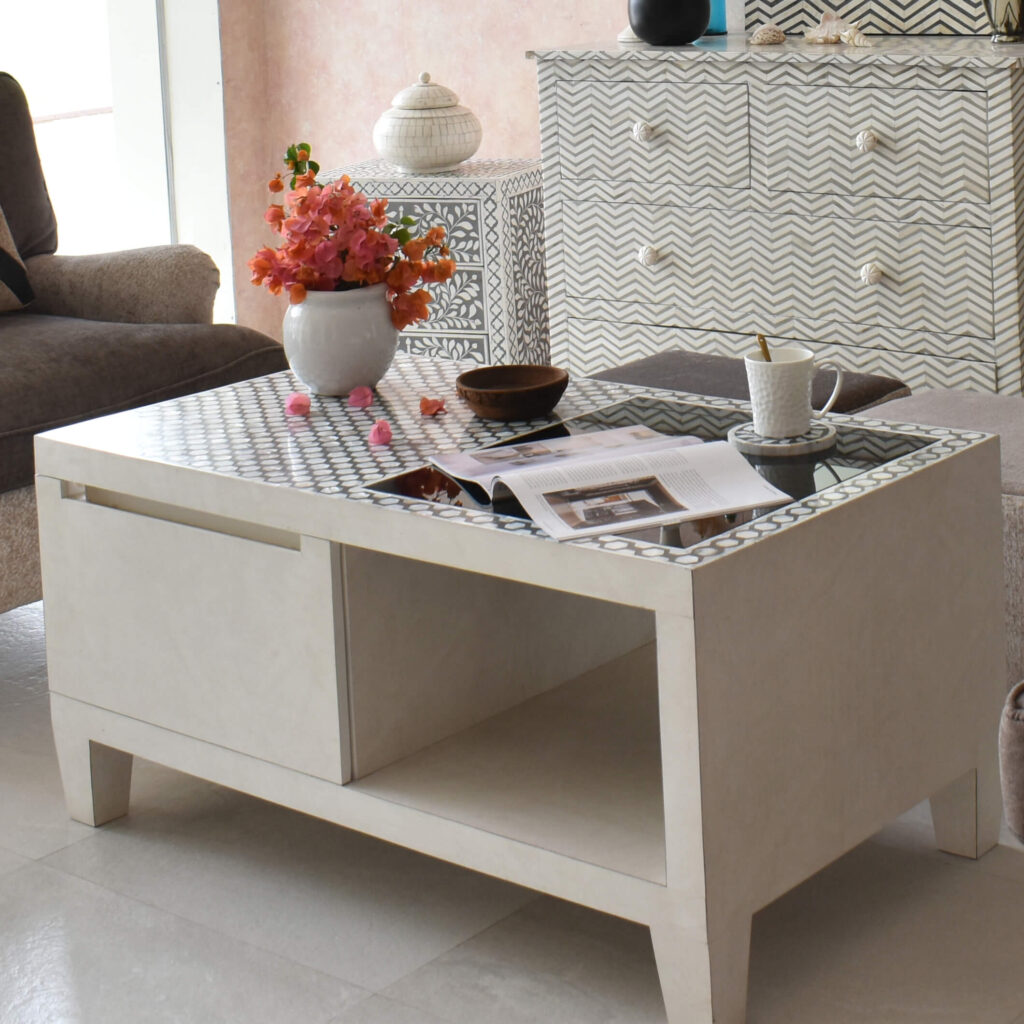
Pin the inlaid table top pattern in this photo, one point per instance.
(243, 431)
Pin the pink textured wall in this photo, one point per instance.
(324, 71)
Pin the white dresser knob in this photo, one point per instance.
(866, 141)
(642, 131)
(648, 255)
(871, 273)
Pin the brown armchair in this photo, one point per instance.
(103, 333)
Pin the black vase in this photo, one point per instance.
(669, 22)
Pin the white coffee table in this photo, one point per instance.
(675, 736)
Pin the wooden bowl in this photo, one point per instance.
(521, 392)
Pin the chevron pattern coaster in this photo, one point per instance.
(893, 17)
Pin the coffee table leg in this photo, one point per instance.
(96, 778)
(968, 812)
(703, 973)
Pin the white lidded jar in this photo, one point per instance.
(426, 130)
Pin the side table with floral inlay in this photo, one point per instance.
(495, 308)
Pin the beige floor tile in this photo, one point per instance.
(552, 961)
(1005, 862)
(327, 897)
(22, 655)
(887, 934)
(33, 819)
(11, 861)
(25, 727)
(379, 1010)
(72, 951)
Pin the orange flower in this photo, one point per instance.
(378, 207)
(274, 216)
(404, 275)
(440, 270)
(431, 406)
(276, 184)
(415, 248)
(297, 294)
(305, 180)
(408, 308)
(303, 154)
(435, 236)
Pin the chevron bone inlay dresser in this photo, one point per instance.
(861, 201)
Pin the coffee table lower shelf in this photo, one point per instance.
(591, 833)
(576, 771)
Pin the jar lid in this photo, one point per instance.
(425, 95)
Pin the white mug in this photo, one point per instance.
(780, 391)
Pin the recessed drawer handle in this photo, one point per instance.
(642, 131)
(871, 273)
(648, 255)
(866, 141)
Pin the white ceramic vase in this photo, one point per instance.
(337, 341)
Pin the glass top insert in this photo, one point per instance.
(857, 450)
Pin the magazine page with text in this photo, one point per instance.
(633, 491)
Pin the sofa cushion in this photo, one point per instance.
(15, 290)
(970, 410)
(23, 192)
(56, 370)
(726, 377)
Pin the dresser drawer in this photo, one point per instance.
(929, 278)
(670, 132)
(927, 144)
(596, 345)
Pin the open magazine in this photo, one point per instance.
(614, 481)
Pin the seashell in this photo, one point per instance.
(827, 30)
(768, 35)
(853, 36)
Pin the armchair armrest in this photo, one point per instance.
(164, 284)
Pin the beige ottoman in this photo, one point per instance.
(995, 414)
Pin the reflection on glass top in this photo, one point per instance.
(856, 451)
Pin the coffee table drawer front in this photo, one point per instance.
(915, 277)
(670, 132)
(219, 637)
(898, 143)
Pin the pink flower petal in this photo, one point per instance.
(380, 432)
(297, 404)
(361, 397)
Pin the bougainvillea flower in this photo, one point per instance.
(440, 270)
(415, 248)
(405, 274)
(334, 238)
(431, 406)
(297, 404)
(380, 432)
(361, 397)
(409, 307)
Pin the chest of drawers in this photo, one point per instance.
(863, 202)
